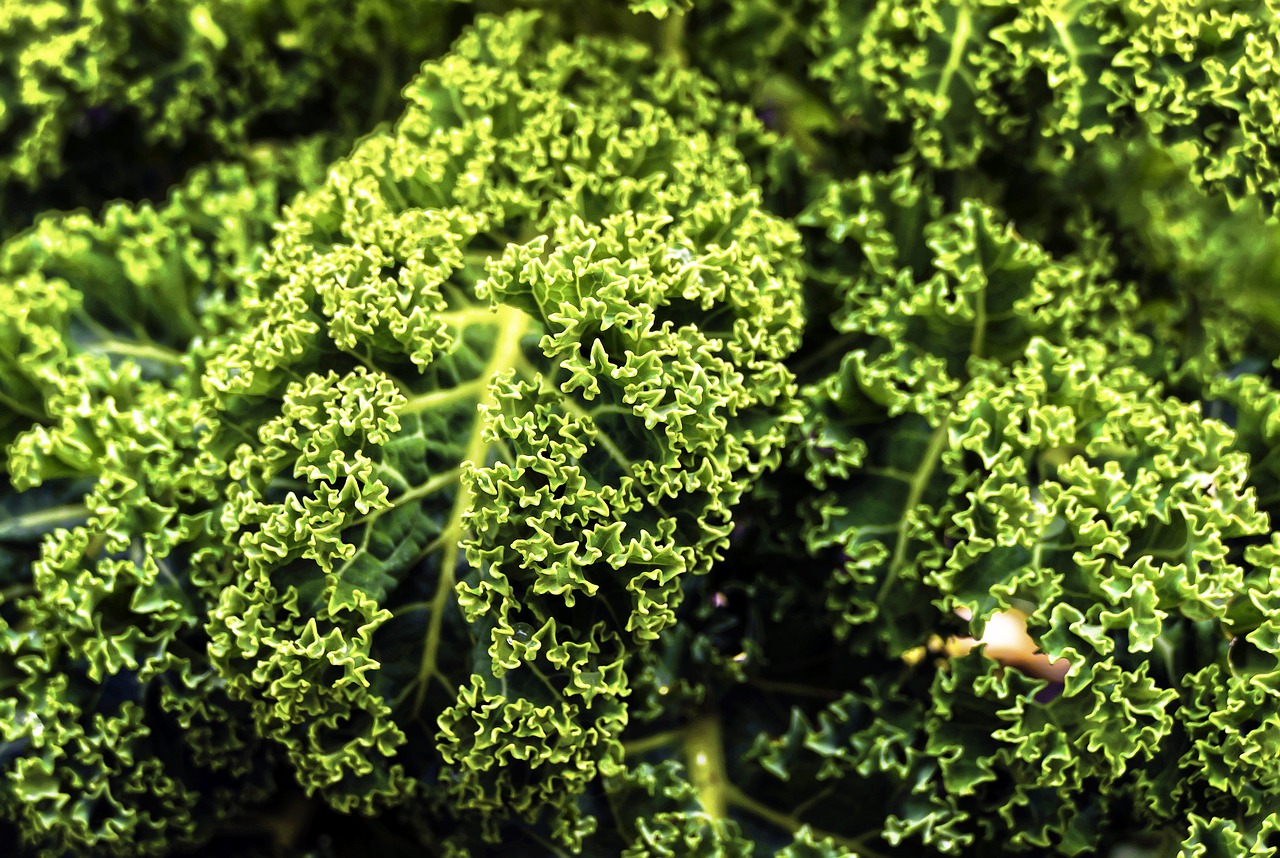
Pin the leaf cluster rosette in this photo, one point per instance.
(639, 446)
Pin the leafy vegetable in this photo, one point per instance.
(807, 428)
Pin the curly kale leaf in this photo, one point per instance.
(119, 738)
(503, 381)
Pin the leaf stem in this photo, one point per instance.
(704, 757)
(437, 483)
(506, 354)
(34, 523)
(671, 39)
(959, 37)
(141, 351)
(919, 482)
(638, 747)
(978, 342)
(437, 398)
(703, 746)
(739, 799)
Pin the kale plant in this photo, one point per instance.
(806, 428)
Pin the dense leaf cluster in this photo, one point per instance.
(633, 447)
